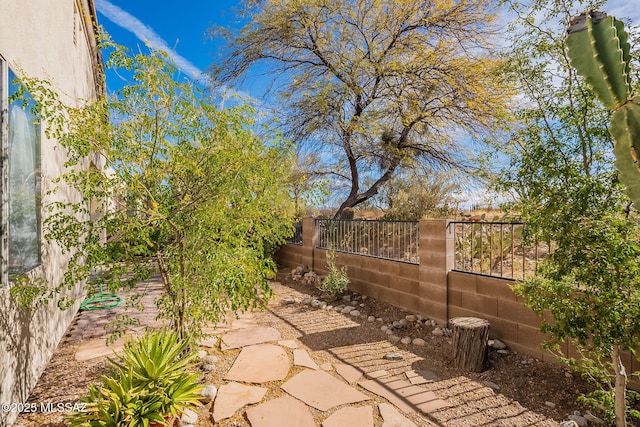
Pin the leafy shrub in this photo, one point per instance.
(150, 383)
(337, 280)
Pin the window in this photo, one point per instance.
(21, 222)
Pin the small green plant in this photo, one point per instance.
(337, 280)
(151, 383)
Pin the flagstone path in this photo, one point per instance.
(277, 368)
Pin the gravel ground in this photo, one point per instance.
(515, 390)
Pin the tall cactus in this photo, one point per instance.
(598, 49)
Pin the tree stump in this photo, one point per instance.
(470, 336)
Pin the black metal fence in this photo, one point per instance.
(394, 240)
(496, 249)
(296, 239)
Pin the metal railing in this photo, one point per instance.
(394, 240)
(496, 249)
(296, 239)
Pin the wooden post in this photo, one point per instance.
(470, 336)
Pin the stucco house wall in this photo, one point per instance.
(56, 41)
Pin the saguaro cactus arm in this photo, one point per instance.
(598, 49)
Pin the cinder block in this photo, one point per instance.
(465, 282)
(454, 298)
(499, 288)
(518, 313)
(503, 329)
(483, 305)
(530, 337)
(405, 285)
(433, 310)
(409, 271)
(433, 293)
(389, 267)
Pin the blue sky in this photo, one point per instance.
(180, 29)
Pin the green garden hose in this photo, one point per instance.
(101, 300)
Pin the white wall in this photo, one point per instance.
(53, 40)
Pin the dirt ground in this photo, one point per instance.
(526, 390)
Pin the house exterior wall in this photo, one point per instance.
(55, 41)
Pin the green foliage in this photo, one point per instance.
(373, 87)
(337, 281)
(567, 192)
(413, 196)
(598, 48)
(150, 383)
(170, 183)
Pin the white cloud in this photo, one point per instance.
(146, 34)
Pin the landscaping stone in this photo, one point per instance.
(410, 318)
(348, 372)
(321, 390)
(208, 367)
(189, 416)
(421, 377)
(202, 354)
(491, 385)
(208, 393)
(579, 420)
(209, 360)
(233, 396)
(393, 339)
(288, 343)
(497, 344)
(354, 313)
(437, 332)
(371, 319)
(259, 364)
(378, 374)
(406, 340)
(419, 342)
(593, 419)
(288, 300)
(392, 417)
(249, 336)
(350, 417)
(284, 411)
(393, 356)
(302, 358)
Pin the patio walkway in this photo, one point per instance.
(296, 365)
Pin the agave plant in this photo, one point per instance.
(151, 384)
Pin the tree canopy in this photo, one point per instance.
(567, 192)
(374, 85)
(181, 186)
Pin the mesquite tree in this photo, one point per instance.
(374, 86)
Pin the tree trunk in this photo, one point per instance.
(470, 336)
(620, 388)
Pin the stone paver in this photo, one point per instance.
(348, 372)
(284, 411)
(322, 390)
(233, 396)
(302, 358)
(361, 416)
(378, 374)
(289, 343)
(259, 363)
(392, 417)
(421, 377)
(249, 336)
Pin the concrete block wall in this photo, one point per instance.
(435, 290)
